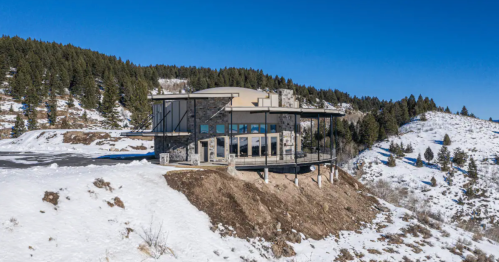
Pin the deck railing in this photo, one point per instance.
(282, 159)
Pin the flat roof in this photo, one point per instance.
(283, 110)
(150, 133)
(191, 96)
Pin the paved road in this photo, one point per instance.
(30, 159)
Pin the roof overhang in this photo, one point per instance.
(155, 133)
(307, 112)
(192, 96)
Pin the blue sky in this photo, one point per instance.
(447, 50)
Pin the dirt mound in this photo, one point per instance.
(51, 197)
(276, 211)
(85, 138)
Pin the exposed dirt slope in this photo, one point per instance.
(272, 211)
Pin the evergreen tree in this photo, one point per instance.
(444, 158)
(70, 102)
(464, 111)
(369, 130)
(11, 109)
(409, 149)
(490, 119)
(419, 162)
(31, 112)
(110, 98)
(84, 116)
(423, 117)
(428, 155)
(19, 127)
(140, 106)
(393, 147)
(433, 182)
(447, 140)
(472, 169)
(52, 108)
(391, 161)
(65, 123)
(447, 110)
(460, 157)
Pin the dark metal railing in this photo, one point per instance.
(282, 159)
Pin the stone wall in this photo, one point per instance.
(286, 98)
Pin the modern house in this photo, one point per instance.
(253, 129)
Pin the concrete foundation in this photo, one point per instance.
(266, 175)
(164, 159)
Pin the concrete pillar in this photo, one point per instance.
(336, 172)
(195, 160)
(231, 167)
(331, 174)
(296, 176)
(319, 177)
(164, 159)
(266, 175)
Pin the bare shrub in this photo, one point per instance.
(155, 241)
(492, 233)
(424, 218)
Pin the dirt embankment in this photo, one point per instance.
(87, 138)
(272, 211)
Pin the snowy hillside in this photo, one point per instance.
(448, 199)
(76, 141)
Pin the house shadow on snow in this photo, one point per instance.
(149, 155)
(496, 132)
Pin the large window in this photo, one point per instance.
(273, 146)
(204, 129)
(255, 146)
(234, 146)
(262, 128)
(243, 129)
(220, 147)
(243, 146)
(254, 129)
(264, 146)
(233, 128)
(273, 128)
(220, 129)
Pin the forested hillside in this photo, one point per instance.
(39, 73)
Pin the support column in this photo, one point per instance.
(230, 129)
(266, 141)
(319, 178)
(296, 144)
(318, 140)
(164, 127)
(195, 130)
(296, 175)
(331, 151)
(266, 175)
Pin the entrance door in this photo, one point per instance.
(204, 151)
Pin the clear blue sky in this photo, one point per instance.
(447, 50)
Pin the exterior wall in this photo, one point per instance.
(211, 112)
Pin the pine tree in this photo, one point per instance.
(110, 98)
(52, 108)
(490, 119)
(472, 169)
(428, 155)
(140, 106)
(409, 149)
(393, 147)
(11, 109)
(19, 127)
(391, 161)
(447, 110)
(447, 140)
(464, 111)
(460, 157)
(369, 130)
(84, 116)
(433, 182)
(419, 162)
(31, 102)
(423, 117)
(444, 158)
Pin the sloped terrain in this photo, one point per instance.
(448, 199)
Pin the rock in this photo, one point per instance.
(51, 197)
(118, 202)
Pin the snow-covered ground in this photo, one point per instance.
(84, 226)
(478, 138)
(52, 141)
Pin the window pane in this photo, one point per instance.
(243, 147)
(254, 129)
(243, 129)
(264, 146)
(220, 147)
(262, 128)
(234, 146)
(204, 129)
(255, 146)
(233, 129)
(220, 129)
(273, 146)
(273, 128)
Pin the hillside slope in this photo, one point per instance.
(448, 199)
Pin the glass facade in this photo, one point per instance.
(233, 128)
(255, 146)
(243, 146)
(273, 146)
(264, 146)
(204, 129)
(220, 147)
(273, 128)
(233, 149)
(243, 129)
(220, 129)
(254, 129)
(262, 128)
